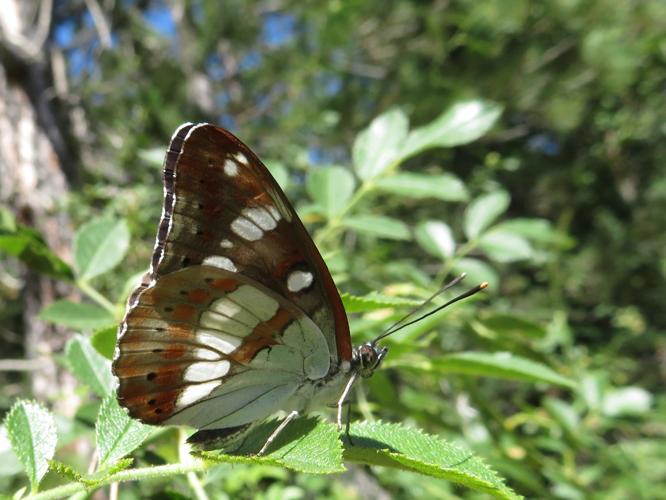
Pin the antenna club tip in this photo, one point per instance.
(483, 285)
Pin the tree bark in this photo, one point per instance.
(32, 177)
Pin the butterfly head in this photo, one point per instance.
(367, 357)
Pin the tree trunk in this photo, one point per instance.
(32, 179)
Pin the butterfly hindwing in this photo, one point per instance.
(211, 348)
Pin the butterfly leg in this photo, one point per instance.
(343, 397)
(348, 425)
(277, 431)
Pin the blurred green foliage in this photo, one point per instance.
(560, 206)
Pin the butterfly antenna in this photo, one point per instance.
(399, 325)
(420, 307)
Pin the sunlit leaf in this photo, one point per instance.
(90, 367)
(374, 301)
(483, 211)
(626, 401)
(117, 433)
(500, 365)
(446, 187)
(152, 156)
(77, 315)
(462, 123)
(379, 145)
(478, 271)
(99, 246)
(378, 225)
(307, 445)
(503, 246)
(400, 447)
(535, 230)
(32, 432)
(331, 188)
(436, 238)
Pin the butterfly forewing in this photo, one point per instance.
(223, 208)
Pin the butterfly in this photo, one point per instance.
(238, 317)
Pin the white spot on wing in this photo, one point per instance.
(219, 341)
(202, 353)
(260, 305)
(275, 213)
(299, 280)
(227, 316)
(246, 229)
(241, 158)
(193, 393)
(230, 168)
(226, 243)
(206, 370)
(221, 262)
(234, 326)
(226, 307)
(261, 217)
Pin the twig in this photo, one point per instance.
(20, 365)
(21, 47)
(101, 25)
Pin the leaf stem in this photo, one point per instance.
(448, 266)
(335, 223)
(186, 458)
(101, 300)
(157, 472)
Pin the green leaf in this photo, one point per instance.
(117, 433)
(77, 315)
(499, 365)
(152, 156)
(377, 147)
(397, 446)
(462, 123)
(378, 225)
(446, 187)
(566, 416)
(307, 445)
(436, 238)
(483, 211)
(279, 172)
(626, 401)
(32, 432)
(99, 246)
(478, 271)
(331, 188)
(9, 462)
(374, 301)
(104, 341)
(89, 367)
(536, 230)
(27, 245)
(511, 324)
(502, 246)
